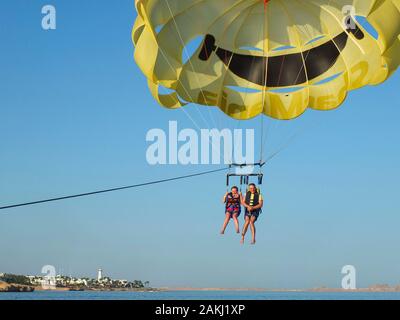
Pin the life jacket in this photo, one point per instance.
(231, 200)
(252, 202)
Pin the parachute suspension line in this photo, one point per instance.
(282, 147)
(265, 75)
(197, 79)
(239, 124)
(186, 91)
(183, 87)
(227, 178)
(187, 114)
(190, 62)
(114, 189)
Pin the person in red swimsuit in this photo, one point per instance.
(232, 202)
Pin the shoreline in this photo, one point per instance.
(72, 289)
(188, 289)
(212, 289)
(317, 290)
(59, 290)
(9, 287)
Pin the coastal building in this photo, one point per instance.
(62, 281)
(99, 275)
(35, 280)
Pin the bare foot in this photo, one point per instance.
(242, 240)
(222, 232)
(253, 242)
(238, 231)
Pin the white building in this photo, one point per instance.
(99, 274)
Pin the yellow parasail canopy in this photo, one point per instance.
(276, 57)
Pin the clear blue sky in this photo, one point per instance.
(74, 112)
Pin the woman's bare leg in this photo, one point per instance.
(235, 220)
(245, 227)
(226, 221)
(253, 230)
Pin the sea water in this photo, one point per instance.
(199, 295)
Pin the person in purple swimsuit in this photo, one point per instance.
(232, 202)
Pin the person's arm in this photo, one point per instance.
(259, 206)
(224, 198)
(242, 200)
(244, 204)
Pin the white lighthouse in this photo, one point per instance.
(99, 274)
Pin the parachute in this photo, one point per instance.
(276, 58)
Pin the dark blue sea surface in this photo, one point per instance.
(199, 295)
